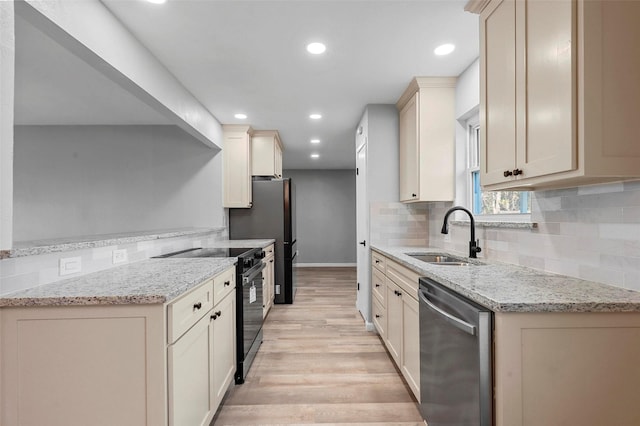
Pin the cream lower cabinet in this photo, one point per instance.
(125, 365)
(268, 291)
(399, 322)
(567, 369)
(558, 96)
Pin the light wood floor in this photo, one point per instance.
(318, 364)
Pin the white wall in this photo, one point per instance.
(89, 180)
(326, 216)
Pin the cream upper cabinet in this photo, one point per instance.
(558, 93)
(266, 153)
(427, 140)
(237, 165)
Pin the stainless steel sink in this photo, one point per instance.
(440, 259)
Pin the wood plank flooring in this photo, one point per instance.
(318, 364)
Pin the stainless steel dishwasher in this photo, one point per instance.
(456, 365)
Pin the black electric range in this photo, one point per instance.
(248, 299)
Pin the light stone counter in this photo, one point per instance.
(264, 243)
(32, 248)
(146, 282)
(509, 288)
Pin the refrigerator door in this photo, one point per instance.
(271, 216)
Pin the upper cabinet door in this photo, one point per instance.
(409, 150)
(498, 91)
(237, 166)
(546, 76)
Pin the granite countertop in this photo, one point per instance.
(146, 282)
(32, 248)
(509, 288)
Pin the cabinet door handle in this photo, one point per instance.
(219, 313)
(271, 261)
(214, 316)
(517, 172)
(507, 173)
(197, 306)
(377, 285)
(226, 283)
(414, 195)
(377, 316)
(363, 243)
(377, 261)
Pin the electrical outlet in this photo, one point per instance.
(119, 256)
(70, 265)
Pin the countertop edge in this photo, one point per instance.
(515, 307)
(116, 239)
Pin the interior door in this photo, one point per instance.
(363, 297)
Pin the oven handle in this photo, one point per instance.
(455, 321)
(251, 273)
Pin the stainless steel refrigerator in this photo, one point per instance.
(272, 215)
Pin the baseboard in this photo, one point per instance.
(326, 265)
(369, 326)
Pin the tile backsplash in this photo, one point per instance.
(21, 273)
(398, 224)
(590, 232)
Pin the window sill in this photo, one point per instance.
(480, 223)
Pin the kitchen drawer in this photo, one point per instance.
(379, 318)
(269, 251)
(223, 284)
(188, 309)
(378, 261)
(404, 277)
(378, 286)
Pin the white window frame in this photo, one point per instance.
(472, 136)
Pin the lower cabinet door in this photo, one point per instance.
(224, 348)
(394, 321)
(190, 368)
(410, 365)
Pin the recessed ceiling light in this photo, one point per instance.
(315, 155)
(240, 116)
(316, 48)
(444, 49)
(315, 116)
(157, 1)
(315, 140)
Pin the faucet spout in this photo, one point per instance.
(474, 248)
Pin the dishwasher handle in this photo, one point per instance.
(456, 322)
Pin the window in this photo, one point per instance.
(495, 202)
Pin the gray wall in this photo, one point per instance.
(89, 180)
(326, 215)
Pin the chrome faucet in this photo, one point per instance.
(473, 244)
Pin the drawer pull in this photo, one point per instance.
(197, 306)
(227, 283)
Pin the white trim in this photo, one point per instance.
(370, 327)
(325, 265)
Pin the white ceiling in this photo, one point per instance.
(249, 56)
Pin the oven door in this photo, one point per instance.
(249, 326)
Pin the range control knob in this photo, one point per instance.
(248, 263)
